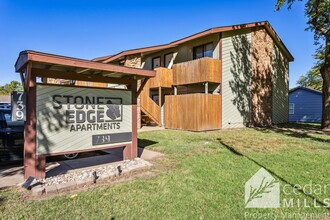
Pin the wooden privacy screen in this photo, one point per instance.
(195, 71)
(163, 78)
(195, 112)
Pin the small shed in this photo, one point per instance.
(305, 105)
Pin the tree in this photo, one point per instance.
(313, 78)
(318, 14)
(9, 87)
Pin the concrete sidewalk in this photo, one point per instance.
(150, 128)
(13, 175)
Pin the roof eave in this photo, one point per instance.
(306, 89)
(205, 33)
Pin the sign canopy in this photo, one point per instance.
(62, 67)
(98, 118)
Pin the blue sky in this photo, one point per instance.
(93, 28)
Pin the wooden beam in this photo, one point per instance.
(134, 51)
(134, 147)
(160, 105)
(23, 80)
(80, 77)
(21, 61)
(221, 80)
(127, 152)
(28, 76)
(82, 71)
(34, 165)
(53, 59)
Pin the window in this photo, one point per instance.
(291, 108)
(155, 62)
(156, 99)
(5, 117)
(205, 50)
(168, 59)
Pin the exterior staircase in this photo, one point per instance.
(150, 111)
(146, 120)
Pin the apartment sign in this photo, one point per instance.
(76, 119)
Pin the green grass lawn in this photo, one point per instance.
(202, 176)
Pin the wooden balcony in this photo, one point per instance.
(196, 71)
(163, 78)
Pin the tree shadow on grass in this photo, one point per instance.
(237, 153)
(304, 126)
(2, 201)
(297, 130)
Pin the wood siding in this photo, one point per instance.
(307, 106)
(195, 112)
(196, 71)
(236, 76)
(280, 87)
(163, 78)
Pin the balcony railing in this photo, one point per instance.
(196, 71)
(163, 78)
(190, 72)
